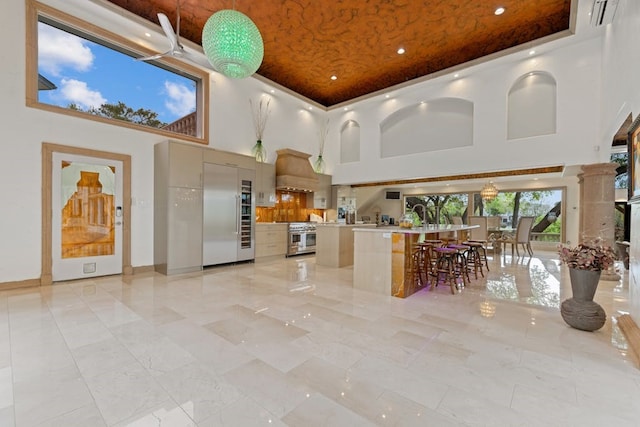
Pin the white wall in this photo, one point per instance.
(576, 69)
(620, 97)
(582, 125)
(25, 129)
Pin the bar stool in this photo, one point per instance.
(474, 258)
(418, 264)
(482, 251)
(428, 257)
(445, 268)
(461, 265)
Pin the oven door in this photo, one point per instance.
(301, 242)
(296, 242)
(310, 241)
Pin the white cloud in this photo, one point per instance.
(77, 92)
(182, 100)
(58, 49)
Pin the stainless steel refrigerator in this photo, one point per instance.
(228, 214)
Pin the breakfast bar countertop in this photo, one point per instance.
(429, 229)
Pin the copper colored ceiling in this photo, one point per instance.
(308, 41)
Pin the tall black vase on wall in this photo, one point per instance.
(581, 311)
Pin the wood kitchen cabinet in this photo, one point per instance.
(271, 239)
(265, 184)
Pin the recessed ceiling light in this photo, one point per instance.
(387, 96)
(532, 52)
(456, 75)
(147, 34)
(346, 108)
(272, 91)
(334, 77)
(499, 11)
(400, 51)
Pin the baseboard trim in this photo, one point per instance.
(632, 334)
(143, 269)
(21, 284)
(33, 283)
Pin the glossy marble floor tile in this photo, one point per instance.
(288, 343)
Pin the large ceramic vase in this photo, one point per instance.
(580, 311)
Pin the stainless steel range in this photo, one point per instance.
(302, 238)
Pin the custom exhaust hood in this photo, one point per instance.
(294, 171)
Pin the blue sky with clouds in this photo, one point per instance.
(89, 75)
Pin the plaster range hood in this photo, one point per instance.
(294, 172)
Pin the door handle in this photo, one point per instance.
(238, 212)
(118, 215)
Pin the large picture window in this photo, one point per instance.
(88, 72)
(544, 204)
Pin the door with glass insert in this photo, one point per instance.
(87, 215)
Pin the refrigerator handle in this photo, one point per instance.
(238, 207)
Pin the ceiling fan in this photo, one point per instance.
(176, 48)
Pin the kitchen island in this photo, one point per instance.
(383, 256)
(334, 243)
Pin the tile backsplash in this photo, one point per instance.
(290, 206)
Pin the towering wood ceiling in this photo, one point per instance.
(308, 41)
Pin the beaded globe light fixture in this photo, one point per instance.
(489, 192)
(233, 44)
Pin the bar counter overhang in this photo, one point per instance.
(383, 256)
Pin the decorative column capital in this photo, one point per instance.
(597, 169)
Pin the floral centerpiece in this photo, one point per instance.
(593, 256)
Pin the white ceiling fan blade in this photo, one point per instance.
(168, 30)
(156, 56)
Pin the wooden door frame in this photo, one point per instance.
(48, 149)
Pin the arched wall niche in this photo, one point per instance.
(531, 106)
(350, 142)
(438, 124)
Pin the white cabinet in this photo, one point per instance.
(321, 198)
(265, 184)
(177, 208)
(185, 165)
(226, 158)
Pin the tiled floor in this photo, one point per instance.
(290, 343)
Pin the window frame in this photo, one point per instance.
(36, 10)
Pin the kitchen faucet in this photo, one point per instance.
(424, 213)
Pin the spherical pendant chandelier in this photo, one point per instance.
(489, 192)
(233, 44)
